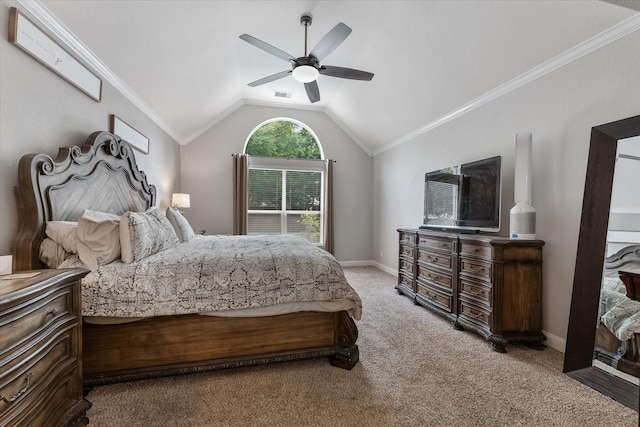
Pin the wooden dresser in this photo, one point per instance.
(489, 285)
(40, 350)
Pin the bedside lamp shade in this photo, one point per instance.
(180, 200)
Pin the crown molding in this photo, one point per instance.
(50, 23)
(596, 42)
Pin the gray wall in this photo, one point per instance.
(40, 111)
(559, 109)
(207, 176)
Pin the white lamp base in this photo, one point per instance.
(522, 224)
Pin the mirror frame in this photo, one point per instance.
(578, 358)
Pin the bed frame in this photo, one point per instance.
(103, 175)
(621, 355)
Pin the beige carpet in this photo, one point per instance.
(414, 370)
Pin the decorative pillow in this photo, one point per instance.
(180, 225)
(52, 253)
(143, 234)
(98, 238)
(63, 233)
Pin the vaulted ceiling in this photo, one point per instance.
(184, 64)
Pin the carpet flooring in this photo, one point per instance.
(414, 370)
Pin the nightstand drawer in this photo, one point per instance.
(24, 320)
(49, 404)
(35, 368)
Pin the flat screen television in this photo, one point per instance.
(464, 197)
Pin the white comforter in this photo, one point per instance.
(223, 275)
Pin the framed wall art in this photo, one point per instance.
(128, 134)
(24, 34)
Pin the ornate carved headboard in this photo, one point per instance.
(100, 175)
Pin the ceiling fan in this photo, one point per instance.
(307, 68)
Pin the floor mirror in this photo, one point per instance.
(590, 261)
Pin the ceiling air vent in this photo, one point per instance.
(280, 94)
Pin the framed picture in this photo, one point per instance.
(129, 134)
(24, 34)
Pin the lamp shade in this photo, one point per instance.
(180, 200)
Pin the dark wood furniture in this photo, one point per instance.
(621, 355)
(103, 175)
(40, 350)
(631, 279)
(490, 285)
(587, 278)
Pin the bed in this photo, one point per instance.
(189, 330)
(618, 333)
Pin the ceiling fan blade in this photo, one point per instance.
(270, 78)
(330, 41)
(345, 73)
(267, 47)
(312, 91)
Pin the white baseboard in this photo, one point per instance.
(553, 341)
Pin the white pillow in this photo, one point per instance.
(63, 233)
(143, 234)
(52, 253)
(98, 238)
(180, 225)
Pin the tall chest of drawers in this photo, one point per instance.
(489, 285)
(40, 350)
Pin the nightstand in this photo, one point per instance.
(41, 348)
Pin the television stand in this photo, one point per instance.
(489, 285)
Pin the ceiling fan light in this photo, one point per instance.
(305, 73)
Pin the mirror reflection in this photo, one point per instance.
(617, 343)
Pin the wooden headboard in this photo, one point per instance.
(627, 257)
(100, 175)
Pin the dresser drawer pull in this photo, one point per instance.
(478, 293)
(475, 316)
(476, 268)
(27, 379)
(53, 312)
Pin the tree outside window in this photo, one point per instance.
(285, 184)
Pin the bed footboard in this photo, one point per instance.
(173, 345)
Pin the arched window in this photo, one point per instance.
(286, 180)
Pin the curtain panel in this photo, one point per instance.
(240, 196)
(328, 208)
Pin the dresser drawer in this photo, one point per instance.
(407, 236)
(436, 277)
(445, 245)
(24, 320)
(475, 314)
(476, 268)
(406, 280)
(480, 293)
(433, 258)
(406, 265)
(407, 251)
(475, 250)
(438, 298)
